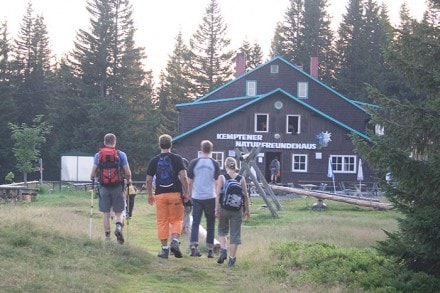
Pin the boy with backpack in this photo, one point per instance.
(231, 199)
(170, 193)
(111, 167)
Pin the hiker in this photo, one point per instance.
(274, 170)
(186, 226)
(229, 221)
(171, 187)
(130, 197)
(111, 167)
(203, 174)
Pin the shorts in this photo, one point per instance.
(230, 222)
(111, 197)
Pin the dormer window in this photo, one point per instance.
(274, 68)
(303, 90)
(251, 88)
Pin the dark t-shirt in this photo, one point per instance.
(177, 163)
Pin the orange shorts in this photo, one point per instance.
(169, 212)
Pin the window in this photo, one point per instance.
(379, 130)
(299, 163)
(217, 156)
(274, 68)
(303, 90)
(344, 164)
(251, 88)
(261, 122)
(292, 124)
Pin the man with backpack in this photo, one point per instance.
(203, 175)
(111, 167)
(171, 191)
(274, 170)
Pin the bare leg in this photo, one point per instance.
(233, 249)
(106, 219)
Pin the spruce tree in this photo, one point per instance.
(409, 150)
(32, 67)
(286, 41)
(210, 56)
(8, 110)
(254, 54)
(174, 88)
(117, 91)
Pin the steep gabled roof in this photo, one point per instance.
(257, 99)
(278, 58)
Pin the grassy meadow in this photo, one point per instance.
(45, 247)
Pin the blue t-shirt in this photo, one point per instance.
(122, 157)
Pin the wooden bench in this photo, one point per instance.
(10, 193)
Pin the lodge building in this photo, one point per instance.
(284, 111)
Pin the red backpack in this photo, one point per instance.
(109, 165)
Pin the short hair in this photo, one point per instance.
(206, 146)
(110, 139)
(231, 164)
(165, 141)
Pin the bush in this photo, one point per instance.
(310, 263)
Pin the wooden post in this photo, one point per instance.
(330, 196)
(247, 160)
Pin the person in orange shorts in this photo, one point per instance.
(171, 191)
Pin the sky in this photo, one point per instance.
(159, 22)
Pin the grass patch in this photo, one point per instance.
(45, 247)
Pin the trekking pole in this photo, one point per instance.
(91, 208)
(127, 208)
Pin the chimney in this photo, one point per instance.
(240, 64)
(314, 66)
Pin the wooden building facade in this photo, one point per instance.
(286, 112)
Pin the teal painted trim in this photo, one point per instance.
(255, 100)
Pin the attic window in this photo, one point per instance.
(274, 68)
(251, 88)
(303, 90)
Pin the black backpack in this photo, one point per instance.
(164, 172)
(232, 195)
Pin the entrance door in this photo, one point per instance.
(269, 156)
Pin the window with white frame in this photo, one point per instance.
(379, 130)
(303, 90)
(217, 156)
(299, 163)
(251, 88)
(261, 122)
(344, 164)
(293, 124)
(274, 68)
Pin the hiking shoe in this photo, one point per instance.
(210, 254)
(175, 248)
(195, 252)
(164, 253)
(118, 234)
(223, 256)
(231, 261)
